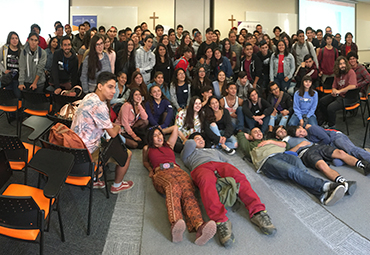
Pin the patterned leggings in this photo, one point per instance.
(178, 187)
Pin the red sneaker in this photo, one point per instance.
(124, 186)
(99, 184)
(205, 232)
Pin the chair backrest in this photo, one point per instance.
(13, 148)
(352, 97)
(83, 166)
(59, 101)
(20, 213)
(56, 120)
(35, 101)
(8, 98)
(5, 170)
(328, 83)
(115, 149)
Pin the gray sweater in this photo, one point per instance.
(194, 157)
(31, 65)
(89, 85)
(145, 61)
(238, 49)
(300, 51)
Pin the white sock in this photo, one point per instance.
(116, 185)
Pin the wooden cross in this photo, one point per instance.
(154, 18)
(232, 20)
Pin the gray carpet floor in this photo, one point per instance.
(135, 222)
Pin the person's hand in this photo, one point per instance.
(248, 137)
(284, 112)
(7, 71)
(274, 112)
(233, 115)
(263, 143)
(222, 140)
(301, 122)
(138, 69)
(260, 122)
(286, 79)
(303, 64)
(184, 141)
(179, 109)
(21, 87)
(320, 74)
(307, 126)
(334, 92)
(57, 91)
(137, 139)
(33, 86)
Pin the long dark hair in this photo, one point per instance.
(93, 62)
(87, 38)
(19, 45)
(209, 113)
(110, 49)
(167, 59)
(49, 45)
(130, 98)
(165, 85)
(142, 86)
(224, 50)
(216, 62)
(169, 49)
(337, 72)
(205, 51)
(189, 117)
(151, 99)
(311, 92)
(180, 49)
(174, 79)
(277, 52)
(196, 84)
(123, 56)
(150, 135)
(223, 89)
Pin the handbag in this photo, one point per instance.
(76, 91)
(68, 110)
(6, 79)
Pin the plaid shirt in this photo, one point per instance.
(363, 77)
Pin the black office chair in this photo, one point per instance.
(10, 103)
(351, 102)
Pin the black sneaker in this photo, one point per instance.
(228, 151)
(350, 187)
(366, 167)
(225, 234)
(263, 221)
(334, 194)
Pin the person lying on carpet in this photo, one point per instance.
(173, 182)
(203, 164)
(270, 157)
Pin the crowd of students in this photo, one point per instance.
(207, 96)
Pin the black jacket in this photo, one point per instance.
(286, 102)
(64, 69)
(255, 68)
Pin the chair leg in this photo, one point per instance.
(60, 221)
(105, 180)
(345, 120)
(367, 126)
(16, 120)
(362, 114)
(90, 207)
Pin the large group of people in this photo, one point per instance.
(208, 98)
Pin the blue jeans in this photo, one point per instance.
(252, 123)
(279, 117)
(284, 166)
(342, 142)
(239, 124)
(230, 142)
(283, 85)
(294, 121)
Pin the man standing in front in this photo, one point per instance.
(203, 163)
(90, 122)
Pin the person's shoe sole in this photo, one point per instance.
(335, 196)
(118, 191)
(178, 230)
(99, 187)
(208, 231)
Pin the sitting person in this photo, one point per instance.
(221, 63)
(243, 85)
(219, 85)
(315, 155)
(304, 105)
(180, 90)
(233, 104)
(90, 122)
(159, 110)
(134, 120)
(285, 166)
(199, 81)
(203, 163)
(137, 81)
(218, 128)
(362, 75)
(336, 139)
(173, 182)
(122, 92)
(206, 92)
(257, 111)
(307, 67)
(159, 80)
(283, 106)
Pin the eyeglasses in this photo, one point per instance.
(99, 44)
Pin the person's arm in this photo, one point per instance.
(84, 77)
(268, 108)
(124, 114)
(313, 107)
(174, 96)
(298, 146)
(288, 103)
(114, 131)
(173, 137)
(151, 119)
(312, 52)
(277, 143)
(292, 66)
(146, 162)
(142, 112)
(244, 143)
(317, 134)
(2, 63)
(258, 70)
(229, 69)
(233, 60)
(272, 73)
(188, 149)
(246, 111)
(169, 116)
(229, 129)
(296, 106)
(366, 78)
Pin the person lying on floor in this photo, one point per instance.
(173, 182)
(316, 155)
(270, 157)
(203, 164)
(336, 139)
